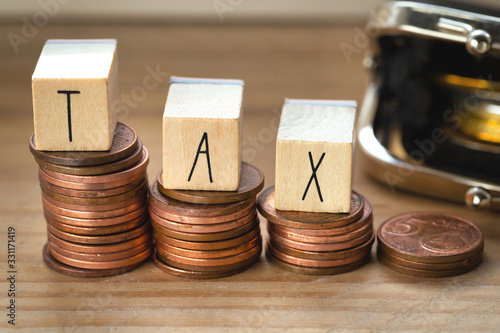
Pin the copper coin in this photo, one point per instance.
(91, 193)
(81, 272)
(321, 247)
(94, 231)
(99, 240)
(267, 208)
(208, 246)
(430, 237)
(427, 273)
(210, 237)
(99, 257)
(107, 222)
(102, 169)
(313, 262)
(389, 251)
(203, 228)
(124, 143)
(161, 203)
(212, 254)
(366, 218)
(138, 191)
(317, 270)
(195, 274)
(283, 232)
(363, 248)
(251, 208)
(251, 183)
(101, 264)
(93, 215)
(105, 185)
(212, 265)
(111, 208)
(106, 248)
(431, 267)
(139, 167)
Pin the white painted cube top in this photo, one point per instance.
(317, 120)
(75, 59)
(204, 98)
(75, 95)
(314, 156)
(202, 134)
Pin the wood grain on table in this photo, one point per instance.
(275, 62)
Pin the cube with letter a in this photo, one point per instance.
(75, 95)
(202, 134)
(314, 156)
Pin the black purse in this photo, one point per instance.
(430, 121)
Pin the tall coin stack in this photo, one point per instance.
(318, 243)
(207, 234)
(430, 244)
(95, 205)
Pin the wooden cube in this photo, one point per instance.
(314, 156)
(75, 95)
(202, 134)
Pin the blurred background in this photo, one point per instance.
(199, 10)
(255, 11)
(281, 48)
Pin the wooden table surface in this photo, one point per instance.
(275, 62)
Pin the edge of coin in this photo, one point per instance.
(317, 271)
(194, 274)
(215, 197)
(427, 273)
(59, 267)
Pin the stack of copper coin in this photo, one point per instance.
(95, 205)
(207, 234)
(430, 244)
(318, 243)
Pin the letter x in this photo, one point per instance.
(313, 176)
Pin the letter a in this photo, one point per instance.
(204, 138)
(313, 176)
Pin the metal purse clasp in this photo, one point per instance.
(479, 32)
(478, 41)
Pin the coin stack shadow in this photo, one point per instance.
(318, 243)
(430, 244)
(95, 205)
(207, 234)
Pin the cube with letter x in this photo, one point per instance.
(314, 156)
(202, 134)
(75, 95)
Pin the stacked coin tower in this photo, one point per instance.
(430, 244)
(95, 205)
(92, 170)
(207, 234)
(203, 204)
(316, 223)
(318, 243)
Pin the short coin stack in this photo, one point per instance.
(318, 243)
(207, 234)
(95, 205)
(430, 244)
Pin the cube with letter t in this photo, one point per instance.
(314, 156)
(202, 134)
(75, 95)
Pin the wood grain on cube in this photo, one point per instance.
(75, 95)
(202, 134)
(314, 156)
